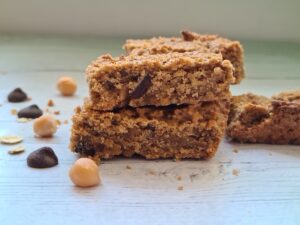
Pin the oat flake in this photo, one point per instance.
(9, 139)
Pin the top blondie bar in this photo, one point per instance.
(230, 50)
(158, 80)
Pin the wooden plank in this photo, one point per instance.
(266, 190)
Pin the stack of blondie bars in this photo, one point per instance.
(166, 98)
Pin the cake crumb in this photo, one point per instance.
(66, 121)
(179, 178)
(13, 112)
(164, 173)
(58, 122)
(193, 176)
(235, 150)
(56, 112)
(235, 172)
(180, 188)
(151, 172)
(128, 167)
(50, 103)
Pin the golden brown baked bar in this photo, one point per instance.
(231, 50)
(186, 131)
(257, 119)
(158, 80)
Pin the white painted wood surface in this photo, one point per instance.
(266, 191)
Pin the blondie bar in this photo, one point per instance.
(231, 50)
(186, 131)
(158, 80)
(257, 119)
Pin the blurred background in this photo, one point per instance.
(66, 35)
(255, 19)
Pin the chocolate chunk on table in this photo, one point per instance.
(43, 157)
(30, 112)
(17, 95)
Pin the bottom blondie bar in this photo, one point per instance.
(257, 119)
(188, 131)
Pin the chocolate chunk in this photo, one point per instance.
(150, 127)
(42, 158)
(17, 95)
(114, 122)
(32, 112)
(109, 86)
(188, 36)
(142, 88)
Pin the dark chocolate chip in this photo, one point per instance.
(109, 86)
(188, 36)
(17, 95)
(142, 88)
(134, 78)
(42, 158)
(114, 122)
(150, 127)
(31, 112)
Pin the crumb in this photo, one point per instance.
(180, 188)
(56, 112)
(50, 103)
(29, 98)
(66, 121)
(221, 168)
(164, 173)
(235, 172)
(151, 172)
(193, 176)
(58, 122)
(47, 110)
(128, 167)
(13, 112)
(179, 178)
(235, 150)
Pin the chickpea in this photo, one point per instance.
(45, 126)
(85, 173)
(67, 86)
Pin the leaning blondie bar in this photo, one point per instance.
(231, 50)
(186, 131)
(257, 119)
(158, 80)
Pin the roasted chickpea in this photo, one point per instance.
(44, 126)
(67, 86)
(85, 173)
